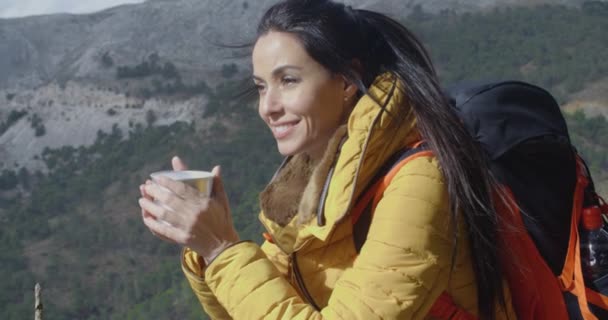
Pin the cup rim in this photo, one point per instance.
(182, 175)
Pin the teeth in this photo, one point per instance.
(281, 129)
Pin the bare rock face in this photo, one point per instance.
(73, 114)
(63, 47)
(61, 69)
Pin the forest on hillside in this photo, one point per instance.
(76, 229)
(562, 49)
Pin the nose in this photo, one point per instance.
(270, 103)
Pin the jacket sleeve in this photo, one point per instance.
(401, 270)
(193, 267)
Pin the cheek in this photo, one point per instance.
(260, 114)
(300, 103)
(331, 107)
(321, 106)
(323, 117)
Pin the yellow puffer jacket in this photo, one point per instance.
(401, 269)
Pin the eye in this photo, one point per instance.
(260, 87)
(286, 81)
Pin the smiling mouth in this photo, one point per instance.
(283, 130)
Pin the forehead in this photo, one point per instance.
(275, 49)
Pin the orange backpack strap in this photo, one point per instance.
(376, 191)
(531, 281)
(566, 279)
(596, 298)
(571, 279)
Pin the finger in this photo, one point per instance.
(157, 189)
(157, 211)
(163, 195)
(142, 191)
(171, 214)
(178, 164)
(145, 215)
(164, 231)
(218, 190)
(177, 187)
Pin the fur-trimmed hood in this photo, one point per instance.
(290, 202)
(298, 184)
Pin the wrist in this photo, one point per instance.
(212, 254)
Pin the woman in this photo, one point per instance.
(342, 91)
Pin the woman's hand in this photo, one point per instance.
(177, 212)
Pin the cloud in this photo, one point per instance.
(21, 8)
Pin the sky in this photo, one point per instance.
(21, 8)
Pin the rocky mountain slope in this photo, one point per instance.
(61, 70)
(39, 49)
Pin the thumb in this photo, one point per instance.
(177, 164)
(218, 190)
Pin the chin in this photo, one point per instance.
(286, 149)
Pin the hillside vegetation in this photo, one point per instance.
(77, 229)
(562, 49)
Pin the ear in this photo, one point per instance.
(350, 88)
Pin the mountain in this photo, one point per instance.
(69, 47)
(61, 69)
(64, 47)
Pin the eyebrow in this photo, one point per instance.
(278, 71)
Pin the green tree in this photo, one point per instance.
(8, 180)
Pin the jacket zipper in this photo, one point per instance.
(300, 283)
(293, 273)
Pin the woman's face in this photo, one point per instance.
(301, 101)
